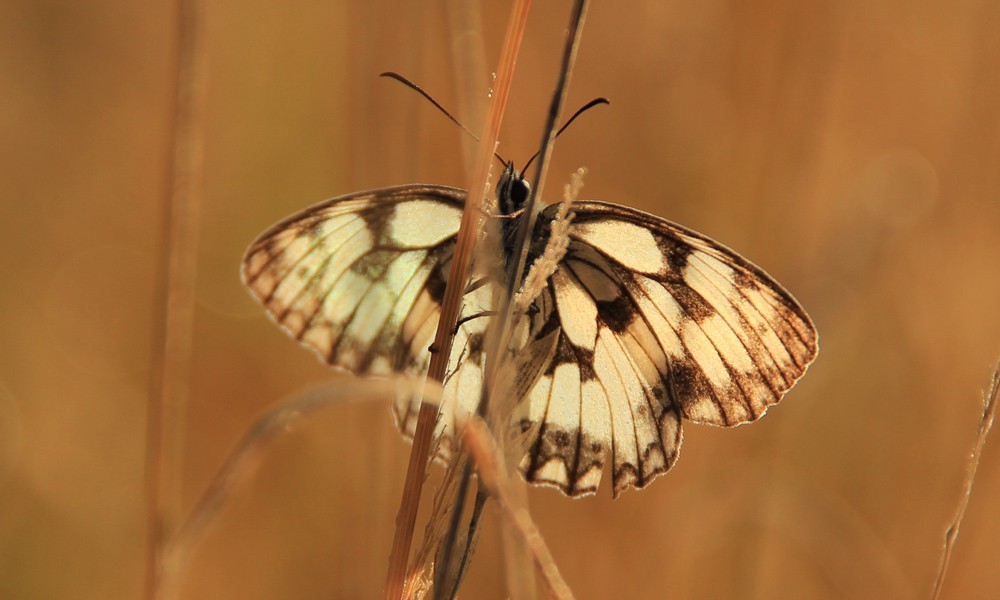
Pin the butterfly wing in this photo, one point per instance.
(658, 323)
(359, 278)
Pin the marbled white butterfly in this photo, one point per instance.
(648, 323)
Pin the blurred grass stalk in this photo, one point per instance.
(456, 545)
(174, 313)
(469, 64)
(951, 534)
(465, 23)
(243, 460)
(419, 452)
(513, 508)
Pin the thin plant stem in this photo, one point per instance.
(504, 325)
(501, 328)
(174, 315)
(489, 462)
(465, 24)
(417, 465)
(243, 460)
(951, 534)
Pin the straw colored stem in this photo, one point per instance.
(500, 329)
(985, 424)
(171, 355)
(480, 443)
(416, 468)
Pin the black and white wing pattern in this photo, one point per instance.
(359, 279)
(657, 323)
(651, 323)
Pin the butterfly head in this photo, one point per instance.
(512, 190)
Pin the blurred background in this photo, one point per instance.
(851, 148)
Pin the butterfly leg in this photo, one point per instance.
(464, 320)
(433, 349)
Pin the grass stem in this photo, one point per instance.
(951, 534)
(174, 315)
(417, 466)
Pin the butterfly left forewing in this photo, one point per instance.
(359, 279)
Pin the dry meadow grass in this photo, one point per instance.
(851, 148)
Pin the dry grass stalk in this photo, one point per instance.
(172, 330)
(501, 327)
(420, 577)
(521, 373)
(951, 534)
(417, 465)
(543, 267)
(465, 26)
(245, 457)
(490, 464)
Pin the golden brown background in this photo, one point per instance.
(850, 147)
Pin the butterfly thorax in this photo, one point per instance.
(512, 197)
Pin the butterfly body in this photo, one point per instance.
(512, 197)
(648, 322)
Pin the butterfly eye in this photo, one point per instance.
(512, 191)
(519, 191)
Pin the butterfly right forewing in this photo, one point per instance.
(656, 322)
(735, 340)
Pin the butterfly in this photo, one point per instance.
(643, 323)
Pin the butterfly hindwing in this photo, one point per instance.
(657, 323)
(600, 395)
(462, 386)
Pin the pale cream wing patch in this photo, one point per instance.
(359, 279)
(597, 398)
(462, 387)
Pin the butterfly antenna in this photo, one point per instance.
(579, 112)
(416, 88)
